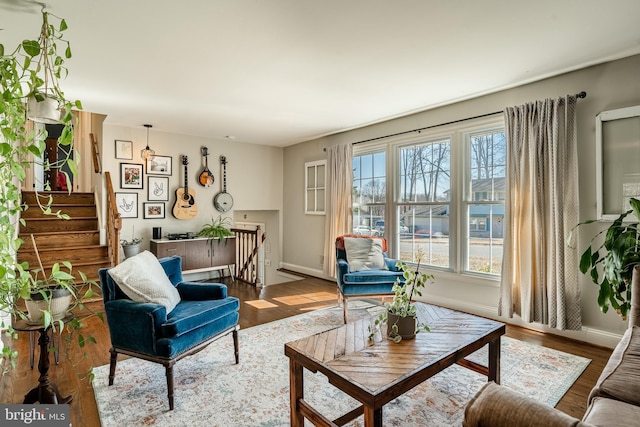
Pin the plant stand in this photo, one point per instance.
(46, 392)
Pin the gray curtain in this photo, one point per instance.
(539, 272)
(338, 210)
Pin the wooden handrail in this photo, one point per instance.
(114, 222)
(248, 244)
(95, 154)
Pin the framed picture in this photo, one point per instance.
(153, 210)
(159, 165)
(130, 175)
(124, 149)
(127, 204)
(158, 188)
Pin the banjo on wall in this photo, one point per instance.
(223, 201)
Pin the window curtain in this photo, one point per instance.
(539, 272)
(338, 210)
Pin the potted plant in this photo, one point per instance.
(31, 70)
(610, 265)
(400, 314)
(131, 247)
(217, 230)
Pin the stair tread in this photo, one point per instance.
(64, 205)
(53, 217)
(45, 233)
(70, 247)
(76, 263)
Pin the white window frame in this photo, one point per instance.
(372, 150)
(467, 199)
(601, 185)
(460, 169)
(317, 188)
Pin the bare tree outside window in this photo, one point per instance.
(424, 210)
(485, 215)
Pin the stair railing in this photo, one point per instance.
(248, 244)
(114, 222)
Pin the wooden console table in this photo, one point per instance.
(375, 373)
(198, 254)
(46, 392)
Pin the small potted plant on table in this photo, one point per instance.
(400, 314)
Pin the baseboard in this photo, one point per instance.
(305, 270)
(586, 334)
(289, 275)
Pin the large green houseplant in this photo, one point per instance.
(29, 74)
(610, 264)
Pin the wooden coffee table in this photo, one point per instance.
(376, 371)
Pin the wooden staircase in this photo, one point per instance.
(76, 240)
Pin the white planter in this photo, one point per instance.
(46, 111)
(59, 304)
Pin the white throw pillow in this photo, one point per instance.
(143, 279)
(364, 254)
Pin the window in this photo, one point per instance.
(314, 198)
(485, 183)
(425, 191)
(444, 200)
(369, 193)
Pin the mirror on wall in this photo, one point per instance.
(617, 160)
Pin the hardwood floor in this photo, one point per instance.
(257, 307)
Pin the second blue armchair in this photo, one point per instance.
(371, 281)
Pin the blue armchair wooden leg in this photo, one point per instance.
(112, 366)
(169, 369)
(235, 345)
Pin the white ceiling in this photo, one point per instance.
(279, 72)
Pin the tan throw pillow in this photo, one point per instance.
(143, 279)
(364, 254)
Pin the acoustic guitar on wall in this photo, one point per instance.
(185, 206)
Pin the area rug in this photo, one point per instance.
(211, 390)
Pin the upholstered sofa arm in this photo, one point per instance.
(191, 291)
(134, 322)
(497, 406)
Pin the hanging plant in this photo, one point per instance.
(30, 74)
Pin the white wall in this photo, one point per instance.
(254, 177)
(609, 86)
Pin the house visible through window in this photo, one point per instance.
(369, 193)
(446, 196)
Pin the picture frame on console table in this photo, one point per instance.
(153, 210)
(127, 204)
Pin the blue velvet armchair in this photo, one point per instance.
(147, 331)
(364, 283)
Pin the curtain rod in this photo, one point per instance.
(582, 94)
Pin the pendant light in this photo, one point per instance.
(147, 152)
